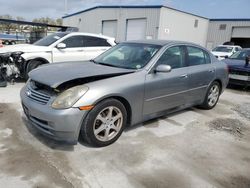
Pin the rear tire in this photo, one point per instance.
(212, 96)
(104, 124)
(32, 64)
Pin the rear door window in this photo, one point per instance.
(197, 56)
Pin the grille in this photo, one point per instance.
(38, 96)
(239, 72)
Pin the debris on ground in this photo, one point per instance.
(232, 126)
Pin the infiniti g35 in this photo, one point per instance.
(128, 84)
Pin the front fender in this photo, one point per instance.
(47, 56)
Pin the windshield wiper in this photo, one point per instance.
(100, 63)
(92, 60)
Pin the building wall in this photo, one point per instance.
(216, 36)
(91, 21)
(176, 25)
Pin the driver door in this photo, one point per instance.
(74, 50)
(166, 90)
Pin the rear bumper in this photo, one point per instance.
(60, 125)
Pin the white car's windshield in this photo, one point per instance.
(50, 39)
(128, 55)
(223, 49)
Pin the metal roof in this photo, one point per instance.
(230, 19)
(130, 6)
(31, 23)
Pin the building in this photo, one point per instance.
(159, 22)
(236, 31)
(140, 22)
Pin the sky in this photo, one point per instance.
(30, 9)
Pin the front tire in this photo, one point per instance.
(104, 124)
(32, 64)
(212, 96)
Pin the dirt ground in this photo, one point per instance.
(190, 149)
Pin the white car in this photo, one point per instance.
(225, 51)
(57, 47)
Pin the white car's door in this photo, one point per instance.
(80, 48)
(73, 50)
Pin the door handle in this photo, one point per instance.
(184, 76)
(80, 50)
(211, 70)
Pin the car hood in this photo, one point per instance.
(221, 53)
(236, 64)
(56, 74)
(24, 48)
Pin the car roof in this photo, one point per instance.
(87, 34)
(229, 46)
(160, 42)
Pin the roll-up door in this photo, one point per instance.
(109, 28)
(136, 29)
(241, 32)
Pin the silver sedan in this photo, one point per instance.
(128, 84)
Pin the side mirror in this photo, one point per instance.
(163, 68)
(61, 45)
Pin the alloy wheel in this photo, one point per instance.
(108, 123)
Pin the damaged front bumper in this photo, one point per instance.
(60, 125)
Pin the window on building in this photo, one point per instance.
(197, 56)
(196, 22)
(223, 26)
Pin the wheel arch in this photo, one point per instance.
(42, 60)
(220, 83)
(124, 101)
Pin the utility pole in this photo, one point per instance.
(66, 6)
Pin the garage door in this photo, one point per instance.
(109, 28)
(241, 32)
(136, 29)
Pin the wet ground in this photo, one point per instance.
(192, 148)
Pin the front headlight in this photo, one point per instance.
(69, 97)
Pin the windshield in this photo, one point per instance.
(50, 39)
(241, 55)
(128, 55)
(223, 49)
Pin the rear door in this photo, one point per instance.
(201, 72)
(166, 90)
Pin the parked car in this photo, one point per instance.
(239, 68)
(128, 84)
(57, 47)
(224, 51)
